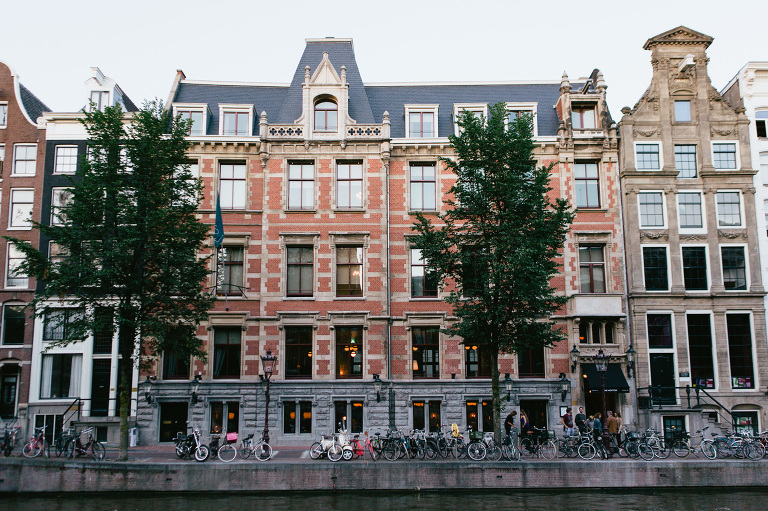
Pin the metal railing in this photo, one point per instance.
(660, 396)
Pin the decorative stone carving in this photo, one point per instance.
(636, 132)
(693, 237)
(732, 235)
(685, 79)
(723, 133)
(654, 235)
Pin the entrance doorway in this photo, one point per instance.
(593, 402)
(100, 387)
(173, 419)
(537, 411)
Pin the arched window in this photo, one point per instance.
(326, 115)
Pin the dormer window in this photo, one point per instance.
(236, 124)
(583, 117)
(100, 99)
(196, 128)
(326, 115)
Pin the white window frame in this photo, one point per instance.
(413, 109)
(23, 285)
(755, 367)
(530, 107)
(663, 209)
(59, 207)
(234, 163)
(27, 225)
(736, 148)
(458, 109)
(100, 105)
(672, 350)
(707, 271)
(661, 155)
(741, 210)
(714, 345)
(336, 186)
(15, 159)
(234, 108)
(690, 110)
(57, 167)
(196, 107)
(585, 105)
(409, 195)
(744, 246)
(2, 161)
(691, 230)
(3, 115)
(669, 264)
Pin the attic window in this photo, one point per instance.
(3, 115)
(326, 115)
(583, 117)
(100, 99)
(761, 123)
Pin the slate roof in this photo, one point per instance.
(32, 104)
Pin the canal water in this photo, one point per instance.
(722, 499)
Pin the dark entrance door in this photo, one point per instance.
(536, 409)
(663, 378)
(100, 387)
(8, 395)
(593, 402)
(173, 419)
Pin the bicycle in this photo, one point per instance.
(10, 435)
(476, 449)
(61, 444)
(359, 451)
(682, 448)
(568, 447)
(539, 444)
(509, 450)
(92, 447)
(37, 445)
(261, 450)
(227, 452)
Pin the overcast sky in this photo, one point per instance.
(52, 44)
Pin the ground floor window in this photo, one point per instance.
(348, 415)
(225, 417)
(480, 414)
(426, 415)
(297, 417)
(745, 422)
(671, 424)
(53, 425)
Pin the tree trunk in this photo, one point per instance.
(127, 342)
(495, 390)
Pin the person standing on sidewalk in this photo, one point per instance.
(509, 422)
(567, 421)
(581, 420)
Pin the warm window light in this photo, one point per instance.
(353, 353)
(415, 348)
(466, 347)
(357, 405)
(474, 347)
(307, 415)
(415, 365)
(293, 415)
(309, 354)
(433, 415)
(231, 415)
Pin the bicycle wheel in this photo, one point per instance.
(586, 451)
(263, 451)
(227, 453)
(32, 450)
(442, 447)
(526, 446)
(548, 450)
(563, 448)
(431, 450)
(661, 450)
(58, 447)
(316, 450)
(510, 452)
(202, 453)
(371, 452)
(476, 451)
(754, 451)
(335, 452)
(708, 449)
(681, 449)
(723, 447)
(245, 450)
(494, 452)
(645, 451)
(421, 450)
(98, 452)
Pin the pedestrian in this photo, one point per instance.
(525, 425)
(612, 426)
(620, 427)
(509, 422)
(597, 427)
(591, 423)
(581, 420)
(567, 421)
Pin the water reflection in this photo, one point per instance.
(616, 500)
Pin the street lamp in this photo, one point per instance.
(565, 385)
(377, 385)
(630, 361)
(508, 385)
(148, 388)
(601, 364)
(268, 361)
(193, 385)
(574, 358)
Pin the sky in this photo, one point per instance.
(141, 43)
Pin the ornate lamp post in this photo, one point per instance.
(377, 383)
(193, 385)
(147, 384)
(268, 361)
(574, 358)
(508, 385)
(565, 386)
(601, 364)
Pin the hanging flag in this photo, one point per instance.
(218, 228)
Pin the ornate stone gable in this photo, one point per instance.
(679, 35)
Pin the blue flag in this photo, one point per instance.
(218, 228)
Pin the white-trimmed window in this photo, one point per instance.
(349, 185)
(2, 160)
(61, 200)
(583, 116)
(685, 160)
(695, 273)
(761, 123)
(423, 180)
(24, 159)
(196, 116)
(3, 115)
(740, 350)
(301, 185)
(725, 155)
(689, 212)
(683, 111)
(651, 207)
(326, 115)
(100, 99)
(516, 110)
(734, 262)
(235, 120)
(421, 121)
(587, 185)
(66, 159)
(661, 355)
(14, 277)
(701, 356)
(648, 156)
(729, 212)
(349, 271)
(656, 267)
(20, 216)
(479, 110)
(60, 376)
(232, 185)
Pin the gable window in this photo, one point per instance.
(695, 268)
(515, 110)
(300, 270)
(423, 187)
(60, 376)
(66, 159)
(685, 161)
(477, 110)
(426, 352)
(196, 116)
(61, 200)
(724, 155)
(326, 115)
(423, 280)
(761, 123)
(100, 100)
(655, 268)
(647, 157)
(21, 208)
(689, 211)
(349, 185)
(298, 352)
(739, 329)
(236, 124)
(14, 276)
(24, 159)
(3, 114)
(651, 210)
(700, 350)
(583, 117)
(14, 320)
(226, 352)
(421, 121)
(592, 268)
(728, 209)
(734, 268)
(232, 185)
(231, 260)
(683, 111)
(301, 185)
(349, 271)
(349, 352)
(587, 185)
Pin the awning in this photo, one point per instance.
(614, 378)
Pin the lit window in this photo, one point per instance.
(297, 417)
(683, 111)
(423, 187)
(298, 352)
(655, 268)
(24, 159)
(349, 184)
(421, 124)
(734, 268)
(236, 124)
(326, 116)
(232, 185)
(689, 208)
(728, 209)
(695, 268)
(651, 209)
(587, 185)
(685, 161)
(583, 118)
(21, 209)
(301, 185)
(426, 416)
(426, 352)
(349, 352)
(647, 156)
(349, 271)
(724, 155)
(592, 268)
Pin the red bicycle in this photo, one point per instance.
(37, 445)
(358, 450)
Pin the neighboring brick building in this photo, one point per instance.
(691, 236)
(318, 183)
(22, 146)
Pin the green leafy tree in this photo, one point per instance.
(127, 245)
(499, 241)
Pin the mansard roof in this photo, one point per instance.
(679, 35)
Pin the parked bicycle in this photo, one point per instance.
(10, 436)
(63, 440)
(90, 448)
(260, 450)
(37, 445)
(539, 443)
(682, 448)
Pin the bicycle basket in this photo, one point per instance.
(475, 436)
(634, 435)
(231, 437)
(679, 434)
